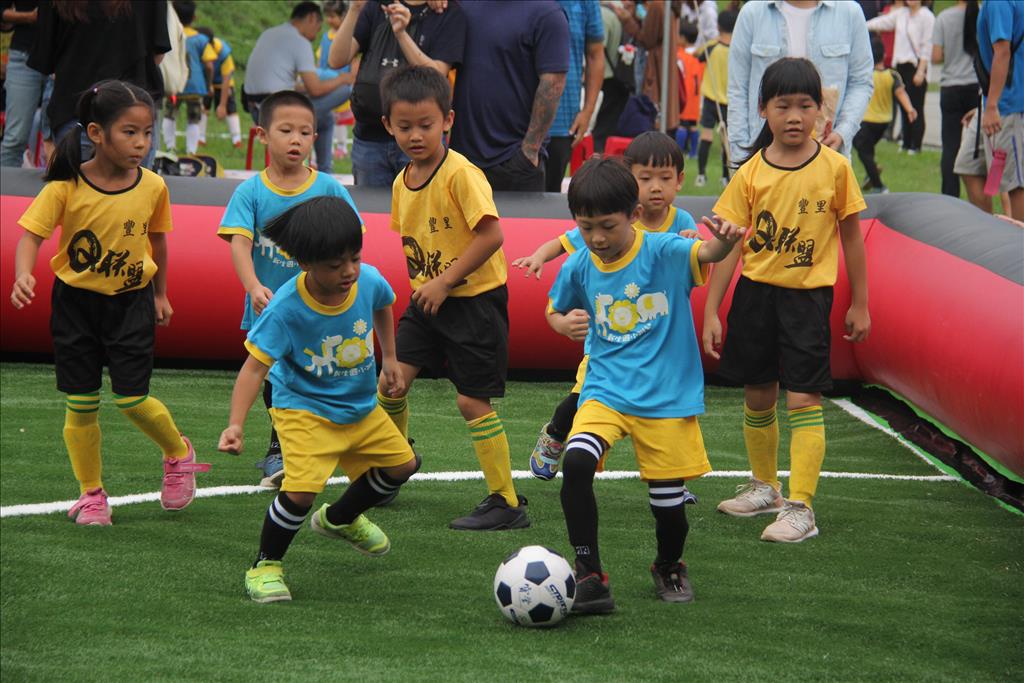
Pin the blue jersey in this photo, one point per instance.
(321, 357)
(253, 205)
(195, 45)
(644, 358)
(223, 52)
(675, 221)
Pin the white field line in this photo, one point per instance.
(865, 417)
(135, 498)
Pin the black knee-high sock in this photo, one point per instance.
(670, 525)
(702, 156)
(578, 502)
(561, 420)
(284, 519)
(361, 495)
(268, 401)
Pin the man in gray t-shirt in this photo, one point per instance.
(282, 55)
(959, 91)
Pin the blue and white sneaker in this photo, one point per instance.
(689, 497)
(546, 455)
(272, 466)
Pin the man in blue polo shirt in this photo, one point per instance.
(508, 89)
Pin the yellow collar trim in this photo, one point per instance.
(311, 301)
(670, 218)
(265, 179)
(623, 260)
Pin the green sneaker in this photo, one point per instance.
(362, 534)
(265, 582)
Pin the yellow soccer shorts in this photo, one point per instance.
(581, 374)
(313, 447)
(666, 448)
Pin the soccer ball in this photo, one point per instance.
(534, 586)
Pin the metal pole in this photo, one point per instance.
(667, 62)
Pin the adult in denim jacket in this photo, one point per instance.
(837, 43)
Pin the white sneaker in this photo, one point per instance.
(794, 524)
(753, 498)
(701, 181)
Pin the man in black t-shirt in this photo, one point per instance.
(388, 36)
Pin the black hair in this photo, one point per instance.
(415, 84)
(339, 7)
(654, 148)
(603, 186)
(206, 31)
(971, 27)
(727, 20)
(186, 11)
(304, 9)
(317, 230)
(786, 76)
(283, 98)
(688, 30)
(101, 104)
(877, 48)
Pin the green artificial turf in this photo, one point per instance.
(908, 579)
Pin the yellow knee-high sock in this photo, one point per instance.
(761, 434)
(82, 438)
(806, 452)
(398, 410)
(491, 445)
(152, 417)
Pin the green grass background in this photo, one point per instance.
(907, 581)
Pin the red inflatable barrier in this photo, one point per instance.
(946, 292)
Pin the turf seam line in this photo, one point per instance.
(29, 509)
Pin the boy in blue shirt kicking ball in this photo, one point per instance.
(315, 339)
(644, 378)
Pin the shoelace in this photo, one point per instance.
(794, 517)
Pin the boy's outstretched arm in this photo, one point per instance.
(726, 233)
(241, 259)
(534, 263)
(718, 284)
(391, 381)
(575, 324)
(858, 320)
(487, 239)
(24, 262)
(247, 387)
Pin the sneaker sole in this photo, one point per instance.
(522, 522)
(328, 534)
(596, 607)
(273, 481)
(755, 513)
(810, 534)
(270, 598)
(96, 523)
(172, 508)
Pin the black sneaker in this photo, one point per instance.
(390, 498)
(671, 583)
(494, 514)
(593, 595)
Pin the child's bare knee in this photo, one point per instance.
(301, 498)
(472, 408)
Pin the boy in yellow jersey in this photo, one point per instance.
(288, 128)
(458, 317)
(656, 162)
(888, 84)
(714, 89)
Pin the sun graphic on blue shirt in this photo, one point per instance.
(622, 316)
(359, 327)
(632, 290)
(352, 352)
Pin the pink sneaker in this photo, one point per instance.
(91, 509)
(179, 487)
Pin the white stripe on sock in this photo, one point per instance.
(285, 515)
(666, 502)
(586, 443)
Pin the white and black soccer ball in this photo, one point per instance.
(534, 586)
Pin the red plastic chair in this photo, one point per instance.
(581, 153)
(615, 146)
(248, 151)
